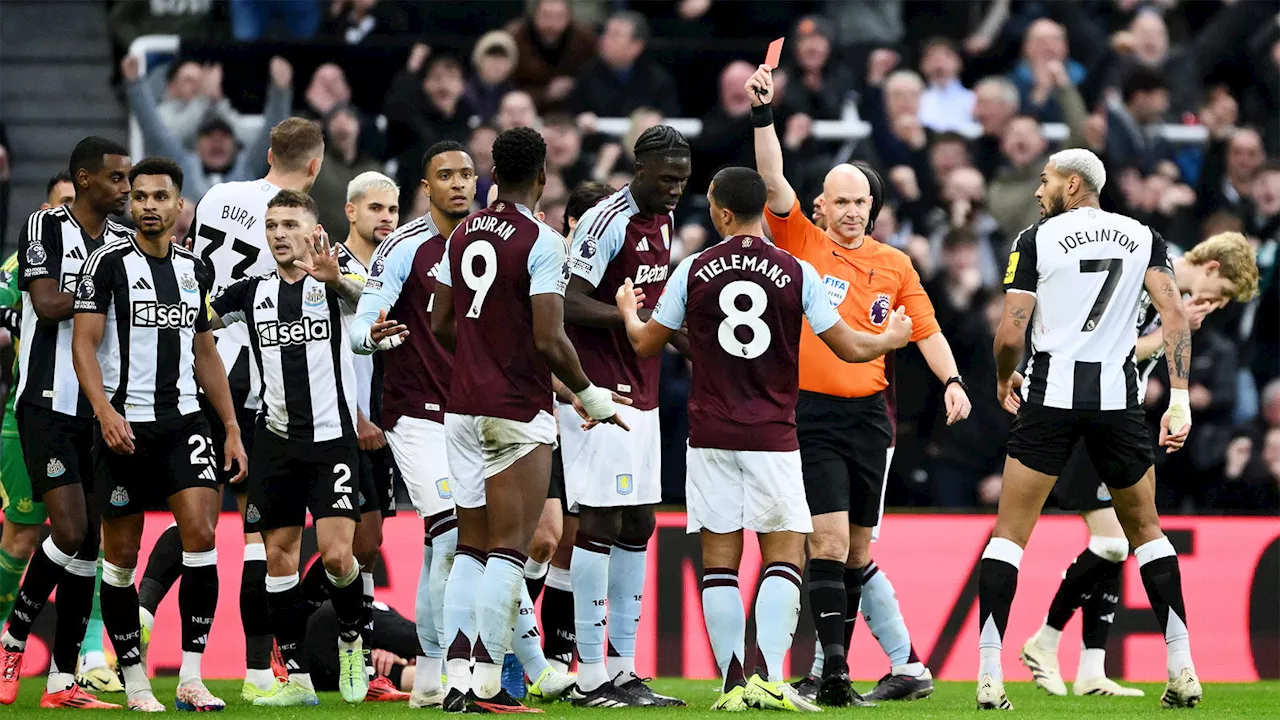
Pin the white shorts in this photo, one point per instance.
(418, 446)
(731, 490)
(606, 466)
(481, 447)
(888, 463)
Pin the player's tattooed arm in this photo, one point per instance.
(349, 289)
(1162, 286)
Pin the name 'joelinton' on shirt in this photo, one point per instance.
(1084, 237)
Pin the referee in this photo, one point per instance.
(845, 427)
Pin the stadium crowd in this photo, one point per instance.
(957, 96)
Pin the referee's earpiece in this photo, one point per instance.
(877, 192)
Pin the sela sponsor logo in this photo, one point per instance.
(152, 314)
(879, 311)
(837, 289)
(70, 281)
(650, 274)
(297, 332)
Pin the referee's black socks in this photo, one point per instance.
(828, 601)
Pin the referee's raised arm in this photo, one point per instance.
(768, 149)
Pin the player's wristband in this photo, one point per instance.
(598, 402)
(1179, 408)
(761, 116)
(387, 343)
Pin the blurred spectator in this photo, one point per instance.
(252, 19)
(1266, 201)
(552, 48)
(492, 62)
(819, 84)
(1251, 479)
(721, 141)
(1162, 201)
(963, 211)
(564, 151)
(424, 105)
(185, 217)
(217, 157)
(357, 22)
(1228, 171)
(994, 107)
(946, 104)
(480, 148)
(891, 104)
(947, 152)
(620, 79)
(1133, 127)
(193, 93)
(1044, 49)
(1011, 196)
(328, 91)
(342, 163)
(865, 22)
(517, 110)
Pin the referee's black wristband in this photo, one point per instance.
(761, 116)
(958, 381)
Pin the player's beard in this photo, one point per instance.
(1056, 206)
(453, 214)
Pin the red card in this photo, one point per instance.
(774, 55)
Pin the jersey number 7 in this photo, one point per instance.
(217, 239)
(1114, 268)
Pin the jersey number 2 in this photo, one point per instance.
(1114, 268)
(749, 318)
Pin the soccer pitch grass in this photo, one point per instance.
(1255, 700)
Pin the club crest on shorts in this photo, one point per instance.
(188, 283)
(55, 468)
(36, 254)
(314, 295)
(25, 505)
(1104, 493)
(880, 309)
(443, 490)
(119, 497)
(626, 484)
(252, 514)
(837, 289)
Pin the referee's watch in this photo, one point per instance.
(957, 380)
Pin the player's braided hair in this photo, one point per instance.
(662, 139)
(518, 155)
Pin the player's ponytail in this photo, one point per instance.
(877, 192)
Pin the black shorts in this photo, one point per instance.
(378, 482)
(57, 448)
(1118, 441)
(1079, 488)
(218, 433)
(844, 453)
(169, 456)
(555, 489)
(288, 478)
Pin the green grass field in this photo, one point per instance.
(1257, 700)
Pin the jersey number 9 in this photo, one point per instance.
(479, 282)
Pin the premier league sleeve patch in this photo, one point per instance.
(85, 290)
(36, 254)
(880, 309)
(588, 248)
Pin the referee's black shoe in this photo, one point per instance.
(836, 690)
(902, 687)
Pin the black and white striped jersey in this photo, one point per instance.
(154, 308)
(298, 337)
(53, 245)
(229, 236)
(366, 366)
(1087, 269)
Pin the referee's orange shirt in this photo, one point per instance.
(865, 284)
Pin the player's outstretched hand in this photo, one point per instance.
(1170, 439)
(386, 334)
(898, 331)
(587, 422)
(323, 264)
(233, 451)
(116, 432)
(629, 299)
(760, 86)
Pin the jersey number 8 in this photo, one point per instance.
(749, 318)
(482, 281)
